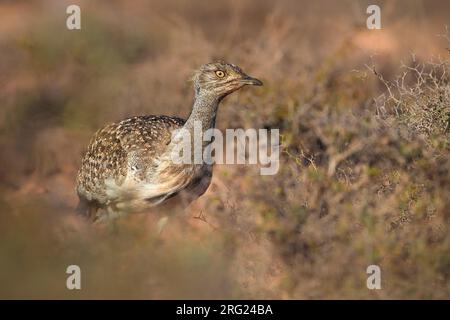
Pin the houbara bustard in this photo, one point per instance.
(127, 166)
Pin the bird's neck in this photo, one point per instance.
(203, 112)
(202, 118)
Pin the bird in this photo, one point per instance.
(127, 166)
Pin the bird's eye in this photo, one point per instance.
(220, 73)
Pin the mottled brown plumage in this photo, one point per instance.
(127, 166)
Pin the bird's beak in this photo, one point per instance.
(251, 81)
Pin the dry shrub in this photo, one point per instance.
(420, 99)
(358, 188)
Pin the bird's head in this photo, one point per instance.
(221, 78)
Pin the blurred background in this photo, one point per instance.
(364, 176)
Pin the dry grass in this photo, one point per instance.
(365, 168)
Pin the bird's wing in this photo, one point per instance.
(105, 159)
(131, 144)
